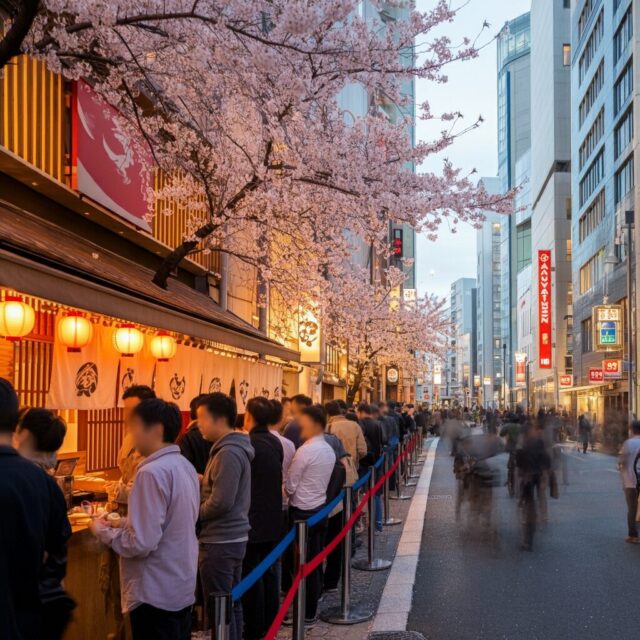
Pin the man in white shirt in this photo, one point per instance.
(306, 487)
(628, 455)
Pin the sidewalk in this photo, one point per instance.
(368, 586)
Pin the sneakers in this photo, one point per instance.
(632, 540)
(331, 589)
(309, 622)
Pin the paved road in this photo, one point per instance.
(581, 582)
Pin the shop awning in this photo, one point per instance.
(591, 387)
(43, 260)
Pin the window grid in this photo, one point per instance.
(592, 217)
(624, 179)
(591, 47)
(623, 133)
(623, 88)
(592, 92)
(592, 139)
(592, 178)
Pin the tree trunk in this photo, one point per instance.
(21, 20)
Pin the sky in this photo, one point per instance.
(471, 89)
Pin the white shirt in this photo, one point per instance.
(630, 450)
(309, 474)
(289, 450)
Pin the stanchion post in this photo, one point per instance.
(409, 479)
(372, 563)
(413, 459)
(301, 595)
(400, 495)
(389, 520)
(220, 606)
(346, 614)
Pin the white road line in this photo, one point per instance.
(395, 604)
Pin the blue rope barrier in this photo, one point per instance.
(360, 483)
(379, 462)
(325, 511)
(393, 442)
(250, 579)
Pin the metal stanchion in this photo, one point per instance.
(413, 459)
(399, 474)
(220, 606)
(372, 563)
(409, 479)
(301, 596)
(389, 520)
(346, 613)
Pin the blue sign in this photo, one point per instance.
(609, 332)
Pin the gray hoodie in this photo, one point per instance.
(225, 495)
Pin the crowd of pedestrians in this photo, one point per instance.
(192, 513)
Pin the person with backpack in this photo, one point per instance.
(306, 487)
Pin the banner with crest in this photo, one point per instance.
(180, 379)
(135, 369)
(217, 374)
(256, 379)
(87, 379)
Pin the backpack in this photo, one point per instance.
(336, 482)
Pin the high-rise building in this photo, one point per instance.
(489, 316)
(603, 51)
(462, 355)
(550, 198)
(514, 161)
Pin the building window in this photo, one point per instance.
(591, 272)
(590, 48)
(592, 93)
(566, 55)
(592, 178)
(623, 88)
(592, 217)
(624, 179)
(623, 35)
(592, 139)
(585, 14)
(623, 133)
(523, 249)
(587, 336)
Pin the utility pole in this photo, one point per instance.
(629, 220)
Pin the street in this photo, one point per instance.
(579, 582)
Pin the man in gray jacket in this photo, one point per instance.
(224, 502)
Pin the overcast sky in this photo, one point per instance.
(472, 90)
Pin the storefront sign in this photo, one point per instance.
(437, 374)
(476, 381)
(309, 342)
(612, 368)
(111, 168)
(566, 380)
(487, 381)
(521, 367)
(596, 376)
(607, 327)
(393, 375)
(544, 309)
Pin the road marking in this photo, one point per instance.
(397, 597)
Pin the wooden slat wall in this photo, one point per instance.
(171, 229)
(105, 430)
(32, 104)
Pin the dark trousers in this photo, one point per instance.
(150, 623)
(632, 508)
(333, 569)
(315, 544)
(260, 604)
(220, 570)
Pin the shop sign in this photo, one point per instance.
(476, 381)
(566, 380)
(607, 327)
(112, 169)
(309, 343)
(521, 367)
(612, 368)
(596, 376)
(437, 374)
(544, 309)
(487, 381)
(393, 375)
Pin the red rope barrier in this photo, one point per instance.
(308, 568)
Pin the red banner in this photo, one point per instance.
(521, 367)
(566, 380)
(612, 368)
(544, 309)
(111, 169)
(596, 376)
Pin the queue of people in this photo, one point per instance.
(192, 513)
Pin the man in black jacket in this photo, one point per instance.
(34, 530)
(192, 444)
(260, 604)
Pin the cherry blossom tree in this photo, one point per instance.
(238, 103)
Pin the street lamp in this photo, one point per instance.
(629, 220)
(504, 375)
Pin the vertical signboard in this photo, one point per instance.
(608, 327)
(521, 367)
(544, 309)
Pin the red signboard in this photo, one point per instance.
(566, 380)
(521, 367)
(111, 169)
(596, 376)
(544, 309)
(612, 368)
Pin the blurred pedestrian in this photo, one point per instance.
(627, 465)
(33, 537)
(584, 432)
(291, 429)
(225, 499)
(39, 435)
(157, 541)
(192, 444)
